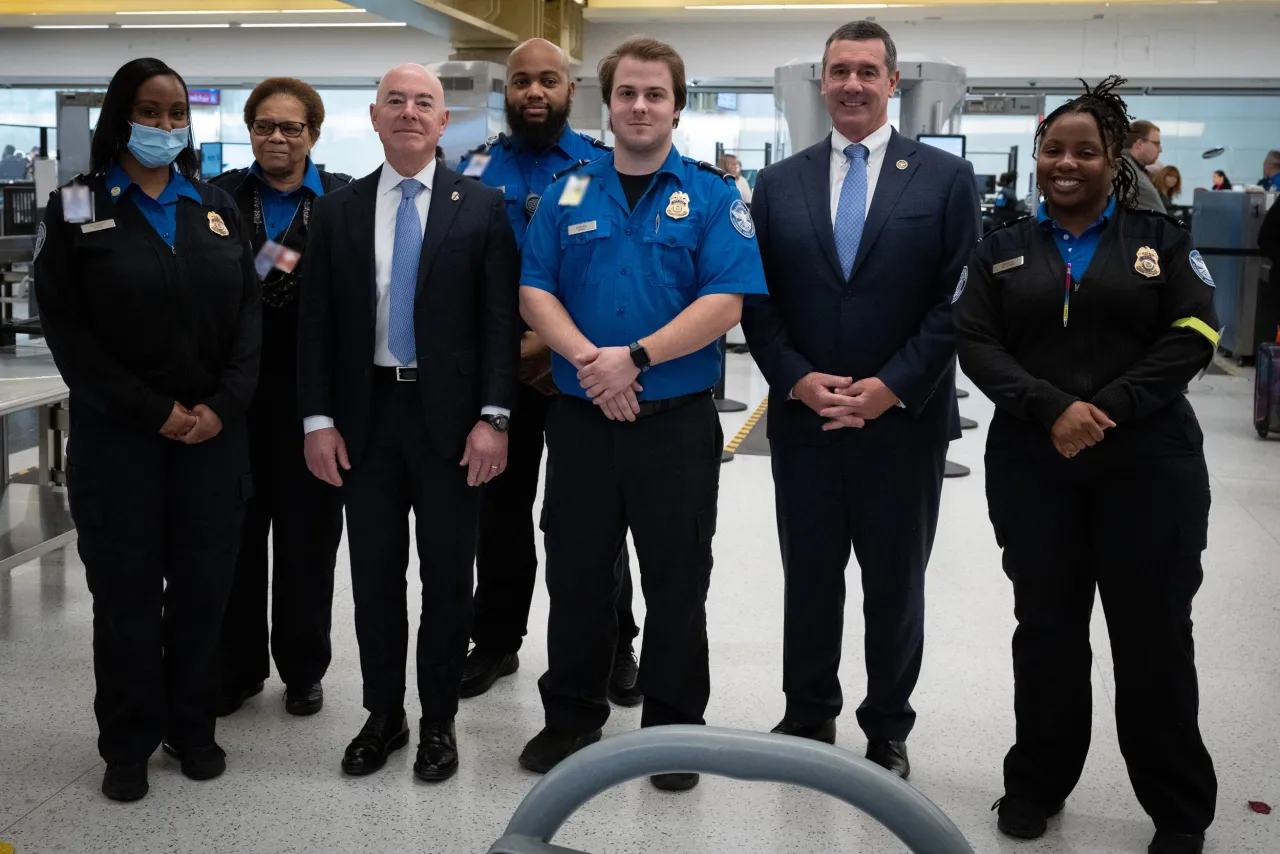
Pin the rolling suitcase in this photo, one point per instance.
(1266, 391)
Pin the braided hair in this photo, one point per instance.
(1112, 115)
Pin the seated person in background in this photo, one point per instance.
(1168, 183)
(1220, 180)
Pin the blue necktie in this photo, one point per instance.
(851, 212)
(404, 274)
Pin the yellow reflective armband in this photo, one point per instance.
(1198, 325)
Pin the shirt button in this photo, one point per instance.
(622, 311)
(624, 272)
(628, 231)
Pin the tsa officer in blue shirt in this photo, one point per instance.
(634, 266)
(541, 144)
(150, 305)
(302, 514)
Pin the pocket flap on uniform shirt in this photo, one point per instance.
(677, 235)
(577, 232)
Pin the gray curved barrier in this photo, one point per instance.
(909, 815)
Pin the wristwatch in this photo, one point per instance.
(640, 357)
(498, 422)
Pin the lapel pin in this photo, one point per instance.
(902, 164)
(454, 197)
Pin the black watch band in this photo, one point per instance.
(497, 422)
(640, 357)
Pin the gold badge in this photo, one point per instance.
(1148, 263)
(115, 191)
(678, 205)
(454, 197)
(217, 226)
(902, 164)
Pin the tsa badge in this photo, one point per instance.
(217, 226)
(678, 205)
(1147, 263)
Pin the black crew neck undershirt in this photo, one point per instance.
(633, 187)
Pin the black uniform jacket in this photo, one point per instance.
(277, 396)
(1141, 322)
(135, 324)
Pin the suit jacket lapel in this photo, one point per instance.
(446, 197)
(816, 172)
(889, 187)
(362, 219)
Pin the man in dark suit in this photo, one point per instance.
(408, 347)
(858, 349)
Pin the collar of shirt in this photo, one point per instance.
(1042, 217)
(877, 144)
(310, 180)
(605, 168)
(389, 179)
(1077, 252)
(119, 183)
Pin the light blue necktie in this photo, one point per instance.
(404, 274)
(851, 212)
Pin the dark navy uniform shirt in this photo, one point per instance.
(522, 174)
(160, 212)
(279, 209)
(623, 275)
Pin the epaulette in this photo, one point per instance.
(1173, 219)
(1002, 226)
(231, 172)
(487, 145)
(596, 143)
(566, 171)
(709, 167)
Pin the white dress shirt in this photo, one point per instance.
(387, 206)
(876, 143)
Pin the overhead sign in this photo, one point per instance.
(1005, 105)
(205, 97)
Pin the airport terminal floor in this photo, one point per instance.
(284, 792)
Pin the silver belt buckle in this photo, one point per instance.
(406, 375)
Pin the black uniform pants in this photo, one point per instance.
(506, 554)
(660, 477)
(401, 471)
(875, 494)
(1128, 518)
(302, 516)
(158, 524)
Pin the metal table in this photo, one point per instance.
(34, 517)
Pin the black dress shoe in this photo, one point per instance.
(437, 752)
(231, 700)
(824, 731)
(383, 733)
(199, 763)
(674, 782)
(303, 700)
(484, 667)
(125, 781)
(622, 681)
(1176, 843)
(550, 747)
(1023, 818)
(891, 756)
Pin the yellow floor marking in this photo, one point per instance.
(742, 434)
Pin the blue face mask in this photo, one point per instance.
(155, 147)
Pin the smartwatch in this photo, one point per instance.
(640, 357)
(498, 422)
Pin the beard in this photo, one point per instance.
(539, 135)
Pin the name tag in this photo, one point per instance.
(582, 228)
(101, 225)
(1007, 265)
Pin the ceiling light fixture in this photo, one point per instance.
(174, 26)
(776, 7)
(247, 12)
(69, 27)
(294, 26)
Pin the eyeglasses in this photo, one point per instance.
(262, 127)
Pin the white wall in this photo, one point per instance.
(1220, 46)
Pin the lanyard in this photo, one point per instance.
(257, 213)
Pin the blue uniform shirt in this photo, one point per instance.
(519, 171)
(279, 209)
(162, 212)
(623, 275)
(1270, 184)
(1077, 251)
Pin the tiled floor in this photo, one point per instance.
(283, 791)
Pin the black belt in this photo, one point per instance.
(654, 407)
(397, 374)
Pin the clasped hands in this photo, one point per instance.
(843, 402)
(1081, 426)
(608, 376)
(191, 426)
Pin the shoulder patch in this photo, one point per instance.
(741, 219)
(964, 280)
(566, 171)
(1197, 264)
(40, 235)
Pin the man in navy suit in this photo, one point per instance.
(858, 346)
